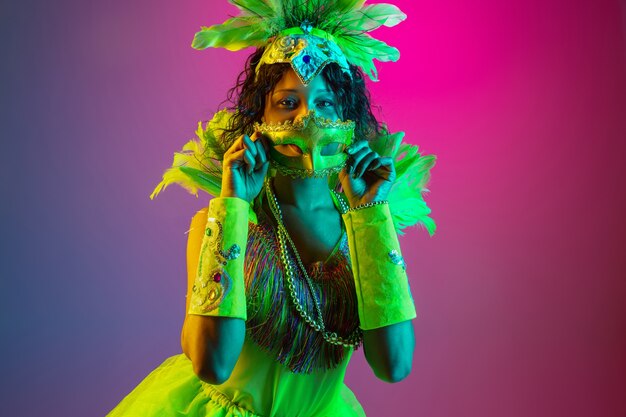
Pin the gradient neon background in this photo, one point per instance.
(521, 294)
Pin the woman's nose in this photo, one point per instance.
(302, 110)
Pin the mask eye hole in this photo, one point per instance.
(333, 148)
(289, 149)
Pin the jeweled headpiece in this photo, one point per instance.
(308, 34)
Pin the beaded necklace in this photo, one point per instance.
(354, 339)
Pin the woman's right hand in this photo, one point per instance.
(244, 167)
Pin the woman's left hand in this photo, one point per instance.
(367, 177)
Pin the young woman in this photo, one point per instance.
(296, 261)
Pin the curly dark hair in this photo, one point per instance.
(249, 93)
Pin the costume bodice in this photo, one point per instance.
(273, 322)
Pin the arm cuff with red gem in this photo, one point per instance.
(219, 288)
(382, 287)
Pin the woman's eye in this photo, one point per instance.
(325, 103)
(287, 102)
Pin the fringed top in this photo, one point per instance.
(273, 322)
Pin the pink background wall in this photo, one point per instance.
(521, 294)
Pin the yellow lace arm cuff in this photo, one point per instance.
(382, 286)
(219, 288)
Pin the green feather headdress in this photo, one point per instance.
(343, 23)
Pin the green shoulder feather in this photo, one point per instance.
(406, 201)
(198, 166)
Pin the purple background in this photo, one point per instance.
(521, 294)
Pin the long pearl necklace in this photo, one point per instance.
(354, 339)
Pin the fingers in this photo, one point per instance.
(363, 159)
(386, 170)
(364, 163)
(248, 152)
(260, 146)
(386, 163)
(249, 144)
(357, 146)
(242, 158)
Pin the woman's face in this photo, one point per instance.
(315, 147)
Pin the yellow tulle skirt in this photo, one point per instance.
(258, 386)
